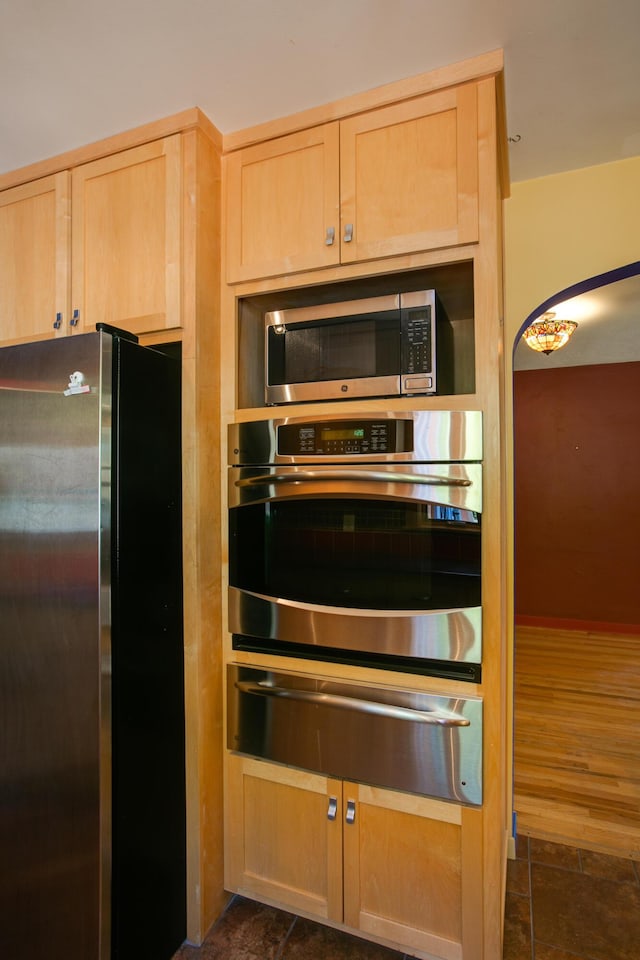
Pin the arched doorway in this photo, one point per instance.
(577, 668)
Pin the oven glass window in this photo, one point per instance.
(369, 554)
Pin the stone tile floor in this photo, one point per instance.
(570, 904)
(562, 904)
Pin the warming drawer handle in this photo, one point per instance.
(356, 475)
(437, 717)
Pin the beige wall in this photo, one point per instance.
(566, 228)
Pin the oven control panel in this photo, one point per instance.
(416, 436)
(344, 438)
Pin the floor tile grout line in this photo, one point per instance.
(531, 917)
(568, 953)
(285, 940)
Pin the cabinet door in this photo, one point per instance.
(282, 205)
(127, 239)
(35, 234)
(283, 838)
(409, 176)
(403, 870)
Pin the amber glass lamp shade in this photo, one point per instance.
(548, 334)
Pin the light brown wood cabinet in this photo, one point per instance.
(419, 170)
(100, 243)
(35, 239)
(386, 864)
(396, 180)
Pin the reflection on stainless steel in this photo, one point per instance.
(50, 504)
(458, 485)
(373, 476)
(356, 703)
(371, 735)
(359, 536)
(58, 581)
(351, 389)
(438, 436)
(438, 635)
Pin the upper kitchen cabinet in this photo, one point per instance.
(127, 239)
(409, 176)
(35, 235)
(99, 243)
(384, 182)
(283, 205)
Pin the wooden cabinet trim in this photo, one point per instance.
(488, 64)
(192, 118)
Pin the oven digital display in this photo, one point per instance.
(331, 433)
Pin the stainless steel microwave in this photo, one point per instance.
(379, 347)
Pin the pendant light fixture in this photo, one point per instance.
(548, 334)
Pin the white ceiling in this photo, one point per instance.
(75, 71)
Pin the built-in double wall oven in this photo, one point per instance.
(357, 539)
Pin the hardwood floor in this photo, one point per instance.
(577, 738)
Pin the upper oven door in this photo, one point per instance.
(383, 557)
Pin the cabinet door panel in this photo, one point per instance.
(127, 238)
(281, 845)
(403, 870)
(35, 240)
(282, 197)
(409, 175)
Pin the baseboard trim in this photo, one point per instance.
(588, 626)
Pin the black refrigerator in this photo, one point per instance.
(92, 782)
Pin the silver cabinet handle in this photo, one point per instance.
(440, 718)
(330, 236)
(57, 323)
(351, 811)
(333, 808)
(356, 475)
(75, 318)
(348, 233)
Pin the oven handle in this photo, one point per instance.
(437, 717)
(359, 476)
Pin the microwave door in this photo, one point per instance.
(336, 358)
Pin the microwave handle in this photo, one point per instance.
(438, 717)
(362, 476)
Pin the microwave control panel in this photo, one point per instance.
(417, 342)
(345, 437)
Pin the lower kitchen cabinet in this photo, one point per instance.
(383, 864)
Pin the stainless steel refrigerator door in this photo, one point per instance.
(54, 649)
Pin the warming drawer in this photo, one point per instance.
(415, 742)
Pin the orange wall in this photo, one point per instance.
(577, 507)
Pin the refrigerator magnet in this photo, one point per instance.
(76, 384)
